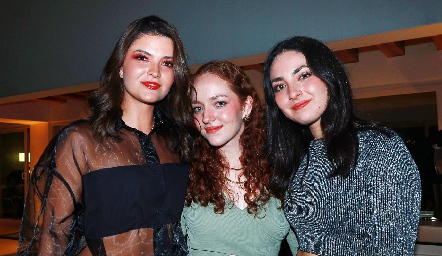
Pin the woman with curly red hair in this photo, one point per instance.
(229, 208)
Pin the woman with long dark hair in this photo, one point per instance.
(114, 183)
(229, 207)
(351, 187)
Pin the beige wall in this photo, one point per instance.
(39, 138)
(375, 75)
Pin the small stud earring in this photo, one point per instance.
(121, 73)
(246, 118)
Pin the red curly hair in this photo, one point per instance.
(207, 175)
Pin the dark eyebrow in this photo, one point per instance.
(143, 52)
(278, 79)
(299, 69)
(149, 54)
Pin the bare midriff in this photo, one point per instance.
(301, 253)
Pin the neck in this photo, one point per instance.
(231, 152)
(317, 135)
(140, 120)
(316, 130)
(233, 161)
(235, 175)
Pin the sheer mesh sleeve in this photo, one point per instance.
(129, 191)
(53, 210)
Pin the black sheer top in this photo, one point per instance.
(110, 198)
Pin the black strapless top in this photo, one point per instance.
(109, 197)
(124, 198)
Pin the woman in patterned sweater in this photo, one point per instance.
(351, 187)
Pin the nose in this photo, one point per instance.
(154, 71)
(294, 91)
(208, 116)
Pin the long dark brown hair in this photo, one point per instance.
(288, 141)
(105, 102)
(207, 176)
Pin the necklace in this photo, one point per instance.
(236, 182)
(236, 169)
(153, 123)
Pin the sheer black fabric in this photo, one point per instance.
(115, 197)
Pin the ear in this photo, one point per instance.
(247, 108)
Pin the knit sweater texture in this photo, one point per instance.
(375, 211)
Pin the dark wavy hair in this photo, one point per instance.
(207, 176)
(288, 141)
(105, 102)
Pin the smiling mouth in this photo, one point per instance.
(213, 129)
(151, 85)
(300, 105)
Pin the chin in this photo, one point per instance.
(216, 143)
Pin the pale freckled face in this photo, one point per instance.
(147, 70)
(218, 111)
(300, 95)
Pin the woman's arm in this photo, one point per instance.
(53, 203)
(292, 241)
(183, 222)
(396, 201)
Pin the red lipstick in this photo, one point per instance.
(151, 85)
(300, 105)
(213, 129)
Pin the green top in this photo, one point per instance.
(236, 232)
